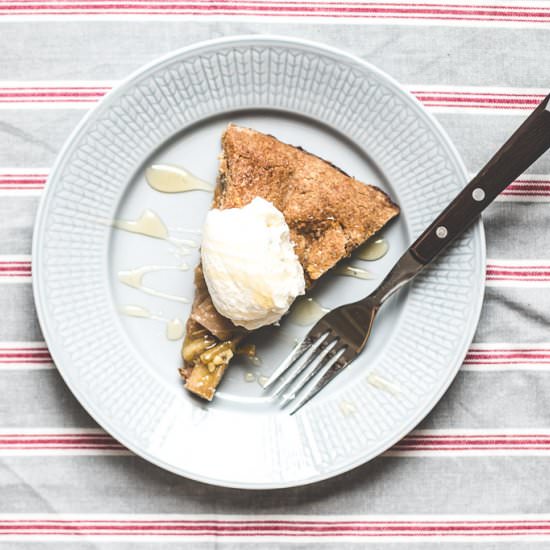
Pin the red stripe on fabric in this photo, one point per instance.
(8, 101)
(5, 442)
(277, 14)
(474, 436)
(336, 527)
(503, 107)
(319, 536)
(529, 187)
(518, 273)
(527, 193)
(4, 94)
(56, 435)
(466, 449)
(25, 357)
(506, 358)
(22, 177)
(213, 523)
(225, 9)
(68, 448)
(35, 445)
(56, 442)
(511, 350)
(411, 443)
(496, 356)
(4, 347)
(504, 362)
(486, 436)
(526, 279)
(367, 529)
(267, 522)
(473, 444)
(41, 355)
(78, 88)
(206, 531)
(538, 181)
(317, 4)
(520, 269)
(491, 101)
(26, 362)
(37, 361)
(442, 94)
(302, 8)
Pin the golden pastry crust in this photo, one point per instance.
(328, 213)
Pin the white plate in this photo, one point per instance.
(124, 371)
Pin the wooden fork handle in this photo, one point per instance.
(525, 146)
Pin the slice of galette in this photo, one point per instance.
(281, 218)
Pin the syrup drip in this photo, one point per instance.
(306, 311)
(149, 224)
(167, 178)
(134, 279)
(373, 250)
(353, 271)
(175, 328)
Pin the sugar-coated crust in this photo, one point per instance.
(329, 213)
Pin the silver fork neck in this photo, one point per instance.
(401, 273)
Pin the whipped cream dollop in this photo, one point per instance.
(249, 264)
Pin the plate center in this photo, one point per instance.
(164, 267)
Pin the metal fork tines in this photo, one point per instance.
(311, 362)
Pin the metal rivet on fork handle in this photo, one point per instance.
(478, 194)
(441, 232)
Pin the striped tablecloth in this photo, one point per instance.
(475, 473)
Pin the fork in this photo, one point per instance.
(339, 337)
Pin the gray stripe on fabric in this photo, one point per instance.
(515, 315)
(32, 137)
(19, 315)
(128, 484)
(17, 215)
(488, 400)
(518, 231)
(434, 55)
(48, 402)
(477, 138)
